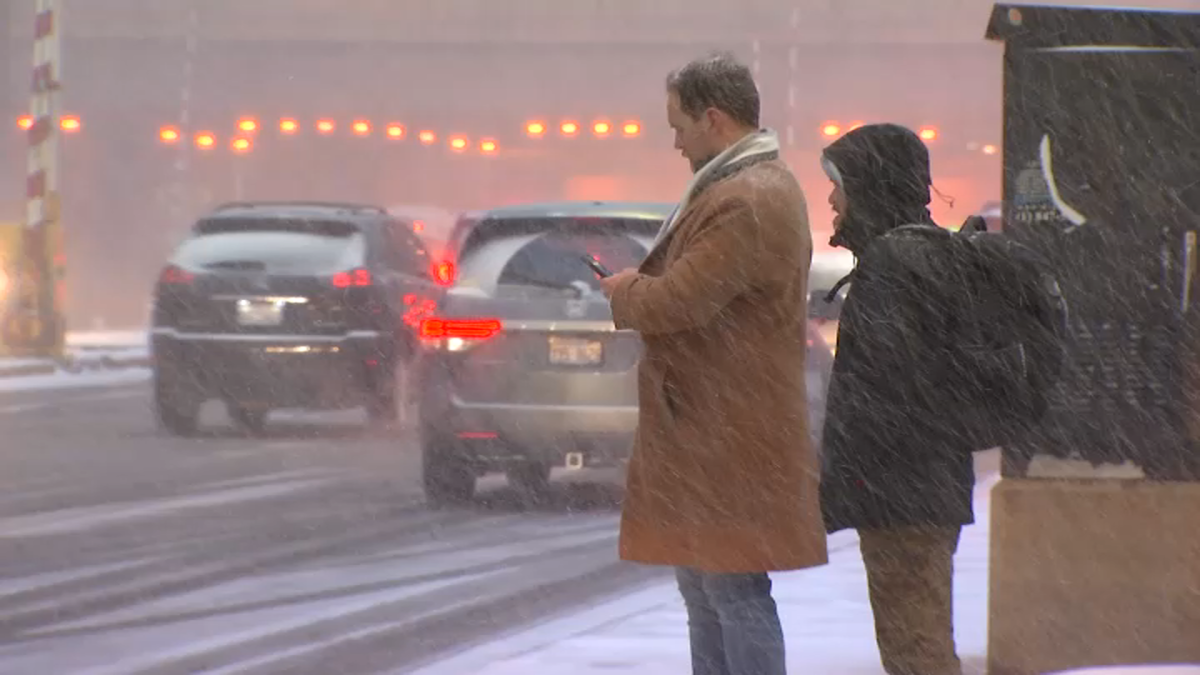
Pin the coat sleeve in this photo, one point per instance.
(722, 261)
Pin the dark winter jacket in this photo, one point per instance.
(888, 462)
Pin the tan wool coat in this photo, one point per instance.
(723, 476)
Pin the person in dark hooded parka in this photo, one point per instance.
(890, 470)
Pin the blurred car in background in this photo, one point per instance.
(432, 224)
(993, 216)
(288, 305)
(522, 369)
(828, 268)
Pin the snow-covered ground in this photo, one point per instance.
(65, 380)
(825, 611)
(1135, 670)
(106, 339)
(92, 359)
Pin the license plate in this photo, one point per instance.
(259, 313)
(566, 351)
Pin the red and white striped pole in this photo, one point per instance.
(40, 326)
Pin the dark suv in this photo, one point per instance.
(289, 305)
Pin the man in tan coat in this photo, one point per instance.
(723, 478)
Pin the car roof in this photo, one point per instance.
(347, 211)
(575, 209)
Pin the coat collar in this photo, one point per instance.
(740, 161)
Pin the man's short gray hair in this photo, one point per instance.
(717, 81)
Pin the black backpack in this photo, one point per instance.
(1003, 326)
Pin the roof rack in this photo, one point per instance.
(343, 206)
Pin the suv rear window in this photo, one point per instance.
(275, 245)
(534, 264)
(555, 259)
(471, 235)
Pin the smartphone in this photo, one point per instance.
(597, 266)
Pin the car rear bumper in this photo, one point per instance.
(274, 370)
(543, 423)
(572, 435)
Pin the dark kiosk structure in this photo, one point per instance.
(1094, 543)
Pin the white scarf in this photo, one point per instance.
(758, 143)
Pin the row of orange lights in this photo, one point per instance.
(397, 131)
(833, 129)
(68, 123)
(570, 128)
(289, 126)
(206, 140)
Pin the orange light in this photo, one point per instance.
(205, 140)
(428, 137)
(247, 125)
(488, 147)
(289, 125)
(458, 143)
(418, 226)
(361, 127)
(395, 130)
(631, 129)
(928, 134)
(168, 135)
(989, 149)
(25, 122)
(535, 128)
(241, 145)
(569, 128)
(831, 129)
(443, 272)
(601, 128)
(326, 126)
(70, 124)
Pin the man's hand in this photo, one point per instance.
(609, 284)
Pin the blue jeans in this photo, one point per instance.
(733, 623)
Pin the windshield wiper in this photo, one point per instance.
(579, 288)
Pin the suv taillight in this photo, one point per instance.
(443, 272)
(359, 277)
(173, 275)
(463, 329)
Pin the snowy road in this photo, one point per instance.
(126, 551)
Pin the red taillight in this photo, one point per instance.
(443, 272)
(467, 329)
(358, 277)
(174, 275)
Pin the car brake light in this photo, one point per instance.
(358, 277)
(175, 275)
(465, 329)
(443, 272)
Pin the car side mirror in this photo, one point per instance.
(818, 308)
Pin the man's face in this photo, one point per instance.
(694, 138)
(837, 199)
